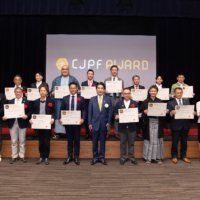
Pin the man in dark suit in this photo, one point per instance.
(44, 106)
(91, 83)
(2, 102)
(18, 126)
(136, 85)
(179, 127)
(126, 130)
(99, 119)
(73, 102)
(18, 83)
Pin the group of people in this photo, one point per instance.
(98, 113)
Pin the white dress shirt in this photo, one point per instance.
(18, 101)
(159, 86)
(127, 103)
(17, 86)
(75, 101)
(198, 111)
(38, 84)
(178, 102)
(101, 99)
(90, 82)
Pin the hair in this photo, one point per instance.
(180, 75)
(177, 88)
(152, 87)
(90, 70)
(18, 88)
(159, 76)
(136, 76)
(44, 86)
(17, 76)
(40, 73)
(115, 67)
(73, 83)
(100, 83)
(127, 89)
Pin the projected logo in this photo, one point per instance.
(60, 62)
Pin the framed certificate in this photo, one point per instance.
(33, 94)
(88, 92)
(139, 94)
(70, 117)
(157, 109)
(9, 92)
(14, 110)
(184, 112)
(114, 86)
(61, 91)
(41, 121)
(187, 92)
(128, 115)
(163, 93)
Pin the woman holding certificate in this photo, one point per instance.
(152, 127)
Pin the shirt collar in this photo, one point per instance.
(39, 82)
(114, 77)
(159, 86)
(44, 99)
(18, 86)
(73, 95)
(99, 96)
(180, 83)
(20, 99)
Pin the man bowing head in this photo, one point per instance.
(99, 119)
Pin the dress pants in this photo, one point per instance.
(101, 133)
(86, 121)
(73, 135)
(127, 136)
(114, 100)
(15, 133)
(44, 142)
(176, 134)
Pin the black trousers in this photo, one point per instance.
(86, 122)
(44, 142)
(176, 135)
(199, 132)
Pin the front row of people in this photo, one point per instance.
(99, 120)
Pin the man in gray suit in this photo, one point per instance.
(115, 97)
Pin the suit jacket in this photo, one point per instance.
(109, 79)
(33, 85)
(50, 110)
(99, 119)
(85, 83)
(122, 127)
(23, 123)
(79, 106)
(178, 124)
(2, 102)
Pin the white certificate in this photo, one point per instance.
(139, 94)
(9, 92)
(114, 86)
(41, 121)
(61, 91)
(33, 94)
(163, 93)
(184, 112)
(14, 110)
(157, 109)
(71, 117)
(187, 92)
(128, 115)
(88, 92)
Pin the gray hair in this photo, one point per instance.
(18, 88)
(136, 76)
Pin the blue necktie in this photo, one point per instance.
(180, 103)
(72, 103)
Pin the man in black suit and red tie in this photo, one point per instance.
(44, 106)
(179, 127)
(73, 102)
(91, 83)
(136, 85)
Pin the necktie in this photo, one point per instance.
(90, 83)
(72, 103)
(100, 104)
(114, 94)
(180, 103)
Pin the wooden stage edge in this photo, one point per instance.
(59, 149)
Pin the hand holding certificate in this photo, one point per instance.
(128, 115)
(14, 111)
(157, 109)
(88, 92)
(9, 92)
(61, 91)
(184, 112)
(163, 93)
(187, 92)
(139, 94)
(41, 121)
(114, 86)
(33, 94)
(70, 117)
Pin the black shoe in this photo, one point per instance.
(133, 162)
(76, 161)
(86, 137)
(93, 162)
(39, 161)
(67, 161)
(104, 162)
(46, 161)
(122, 162)
(23, 160)
(34, 137)
(13, 160)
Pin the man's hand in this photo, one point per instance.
(53, 93)
(145, 112)
(170, 95)
(106, 91)
(90, 127)
(60, 120)
(24, 117)
(194, 113)
(82, 120)
(107, 125)
(30, 121)
(79, 91)
(4, 118)
(173, 112)
(117, 117)
(167, 110)
(52, 121)
(140, 115)
(193, 94)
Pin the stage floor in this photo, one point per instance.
(114, 181)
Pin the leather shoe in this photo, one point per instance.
(116, 136)
(186, 160)
(122, 162)
(23, 160)
(140, 136)
(77, 162)
(107, 136)
(34, 137)
(46, 161)
(93, 162)
(174, 160)
(86, 137)
(104, 162)
(67, 161)
(133, 162)
(39, 161)
(13, 160)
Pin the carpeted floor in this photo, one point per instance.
(58, 181)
